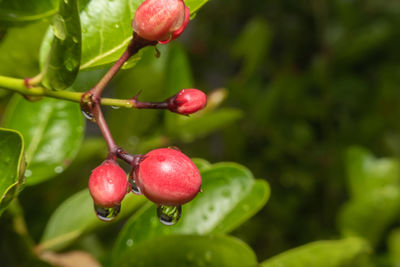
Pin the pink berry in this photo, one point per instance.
(158, 20)
(108, 184)
(168, 177)
(187, 101)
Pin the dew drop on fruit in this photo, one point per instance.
(169, 215)
(107, 214)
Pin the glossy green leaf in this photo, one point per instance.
(22, 11)
(63, 62)
(52, 130)
(11, 165)
(230, 196)
(106, 30)
(17, 58)
(181, 250)
(201, 164)
(366, 173)
(368, 217)
(76, 216)
(375, 188)
(339, 253)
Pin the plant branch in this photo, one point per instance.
(134, 46)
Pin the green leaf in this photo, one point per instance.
(368, 217)
(76, 216)
(258, 33)
(181, 250)
(21, 11)
(11, 165)
(337, 253)
(62, 64)
(201, 164)
(230, 196)
(17, 58)
(52, 130)
(366, 173)
(106, 30)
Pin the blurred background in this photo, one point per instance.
(293, 86)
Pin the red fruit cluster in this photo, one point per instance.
(161, 20)
(168, 177)
(108, 184)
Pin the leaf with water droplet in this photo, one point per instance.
(107, 31)
(212, 211)
(75, 217)
(52, 130)
(64, 53)
(11, 165)
(188, 250)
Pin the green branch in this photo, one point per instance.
(19, 86)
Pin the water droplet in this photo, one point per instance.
(169, 215)
(116, 26)
(107, 214)
(226, 193)
(59, 169)
(74, 39)
(114, 107)
(59, 27)
(87, 115)
(135, 189)
(129, 242)
(70, 64)
(28, 173)
(174, 148)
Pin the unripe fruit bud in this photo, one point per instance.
(158, 20)
(168, 177)
(187, 101)
(108, 184)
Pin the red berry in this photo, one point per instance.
(108, 184)
(158, 20)
(187, 101)
(168, 177)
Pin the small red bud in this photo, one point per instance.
(160, 20)
(108, 184)
(187, 101)
(168, 177)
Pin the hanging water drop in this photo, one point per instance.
(107, 214)
(135, 189)
(59, 28)
(115, 107)
(87, 115)
(86, 112)
(169, 215)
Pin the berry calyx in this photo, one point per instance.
(108, 184)
(168, 177)
(160, 20)
(187, 101)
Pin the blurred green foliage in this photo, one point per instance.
(305, 94)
